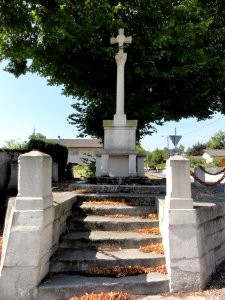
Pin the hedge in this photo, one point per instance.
(58, 153)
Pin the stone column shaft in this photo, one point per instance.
(132, 165)
(105, 165)
(120, 117)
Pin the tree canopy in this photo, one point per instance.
(175, 67)
(217, 141)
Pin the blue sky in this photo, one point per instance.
(28, 102)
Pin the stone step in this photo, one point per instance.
(103, 239)
(71, 260)
(105, 223)
(129, 199)
(91, 209)
(107, 188)
(62, 286)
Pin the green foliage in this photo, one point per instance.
(14, 144)
(139, 148)
(175, 67)
(195, 162)
(217, 141)
(161, 166)
(58, 153)
(217, 162)
(90, 163)
(196, 149)
(181, 149)
(37, 136)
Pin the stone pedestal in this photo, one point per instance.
(180, 229)
(178, 183)
(28, 232)
(119, 157)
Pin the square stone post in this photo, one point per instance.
(200, 174)
(178, 183)
(105, 165)
(181, 233)
(28, 233)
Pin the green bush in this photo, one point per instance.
(90, 162)
(195, 162)
(58, 153)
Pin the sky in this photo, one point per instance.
(28, 103)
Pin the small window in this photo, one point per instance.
(73, 152)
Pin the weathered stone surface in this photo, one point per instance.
(110, 223)
(78, 260)
(64, 286)
(178, 189)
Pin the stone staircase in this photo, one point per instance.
(101, 234)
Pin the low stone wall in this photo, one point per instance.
(196, 244)
(35, 220)
(211, 227)
(63, 203)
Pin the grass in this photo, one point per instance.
(79, 171)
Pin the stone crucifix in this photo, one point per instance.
(121, 57)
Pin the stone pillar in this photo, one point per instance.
(105, 165)
(181, 234)
(132, 165)
(55, 172)
(200, 174)
(120, 117)
(140, 165)
(178, 183)
(28, 240)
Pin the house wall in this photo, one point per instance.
(75, 155)
(207, 157)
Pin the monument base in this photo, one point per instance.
(119, 157)
(120, 164)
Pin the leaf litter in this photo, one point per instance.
(105, 202)
(146, 231)
(153, 248)
(150, 216)
(122, 271)
(105, 296)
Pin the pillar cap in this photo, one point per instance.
(34, 153)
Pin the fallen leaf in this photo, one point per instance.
(146, 231)
(155, 248)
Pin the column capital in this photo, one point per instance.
(121, 58)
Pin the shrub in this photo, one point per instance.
(58, 153)
(90, 162)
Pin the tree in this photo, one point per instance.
(181, 149)
(196, 149)
(37, 136)
(175, 67)
(217, 141)
(157, 156)
(14, 144)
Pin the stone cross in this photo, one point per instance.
(121, 39)
(120, 117)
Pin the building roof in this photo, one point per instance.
(215, 152)
(78, 143)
